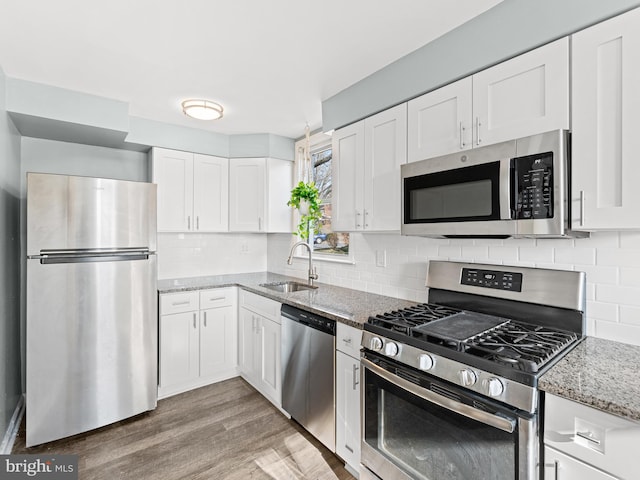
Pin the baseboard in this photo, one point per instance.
(12, 429)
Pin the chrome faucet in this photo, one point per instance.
(312, 271)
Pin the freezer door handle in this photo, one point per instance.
(89, 257)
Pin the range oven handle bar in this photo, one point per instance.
(505, 424)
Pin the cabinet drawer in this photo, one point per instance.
(348, 339)
(592, 436)
(261, 305)
(217, 297)
(178, 302)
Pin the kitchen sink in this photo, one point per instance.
(287, 287)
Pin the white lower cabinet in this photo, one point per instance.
(348, 395)
(582, 443)
(558, 466)
(198, 339)
(260, 345)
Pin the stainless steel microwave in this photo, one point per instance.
(518, 188)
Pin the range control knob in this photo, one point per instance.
(375, 344)
(391, 349)
(493, 386)
(425, 362)
(467, 377)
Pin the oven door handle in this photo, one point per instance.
(505, 424)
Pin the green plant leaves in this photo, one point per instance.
(308, 221)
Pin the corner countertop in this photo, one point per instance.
(600, 374)
(344, 305)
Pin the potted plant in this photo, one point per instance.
(306, 198)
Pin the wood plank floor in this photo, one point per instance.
(222, 431)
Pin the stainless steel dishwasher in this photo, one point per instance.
(308, 358)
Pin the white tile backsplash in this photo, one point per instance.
(611, 261)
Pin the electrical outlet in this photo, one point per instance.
(381, 258)
(244, 247)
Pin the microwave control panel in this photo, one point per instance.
(533, 186)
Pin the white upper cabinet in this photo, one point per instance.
(605, 140)
(523, 96)
(259, 189)
(366, 172)
(441, 121)
(526, 95)
(192, 191)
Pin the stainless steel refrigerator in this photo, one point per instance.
(91, 331)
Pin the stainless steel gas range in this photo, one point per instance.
(450, 386)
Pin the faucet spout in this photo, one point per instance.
(313, 275)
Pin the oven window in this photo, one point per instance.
(430, 442)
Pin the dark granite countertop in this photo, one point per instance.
(345, 305)
(600, 374)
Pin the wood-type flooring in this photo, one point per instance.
(222, 431)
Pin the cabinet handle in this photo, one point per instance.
(461, 136)
(188, 222)
(348, 448)
(366, 223)
(194, 321)
(205, 318)
(197, 222)
(358, 224)
(355, 376)
(588, 436)
(215, 299)
(347, 340)
(555, 469)
(175, 304)
(259, 224)
(582, 208)
(478, 124)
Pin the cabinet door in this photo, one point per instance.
(384, 151)
(279, 186)
(269, 351)
(218, 341)
(558, 466)
(247, 344)
(178, 349)
(348, 409)
(210, 193)
(247, 202)
(173, 173)
(523, 96)
(605, 140)
(440, 121)
(347, 176)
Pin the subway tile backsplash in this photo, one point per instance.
(611, 261)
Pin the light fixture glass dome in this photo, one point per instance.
(202, 109)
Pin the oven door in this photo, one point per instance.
(418, 427)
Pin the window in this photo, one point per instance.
(326, 244)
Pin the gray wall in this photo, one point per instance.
(510, 28)
(10, 365)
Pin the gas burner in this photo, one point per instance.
(525, 347)
(405, 320)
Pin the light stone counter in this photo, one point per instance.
(351, 307)
(601, 374)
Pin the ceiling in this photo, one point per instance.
(270, 63)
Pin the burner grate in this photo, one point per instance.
(523, 346)
(404, 320)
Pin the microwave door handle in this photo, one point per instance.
(505, 189)
(505, 424)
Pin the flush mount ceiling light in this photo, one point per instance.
(202, 109)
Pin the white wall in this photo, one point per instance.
(200, 254)
(611, 261)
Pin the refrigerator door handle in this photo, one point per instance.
(87, 257)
